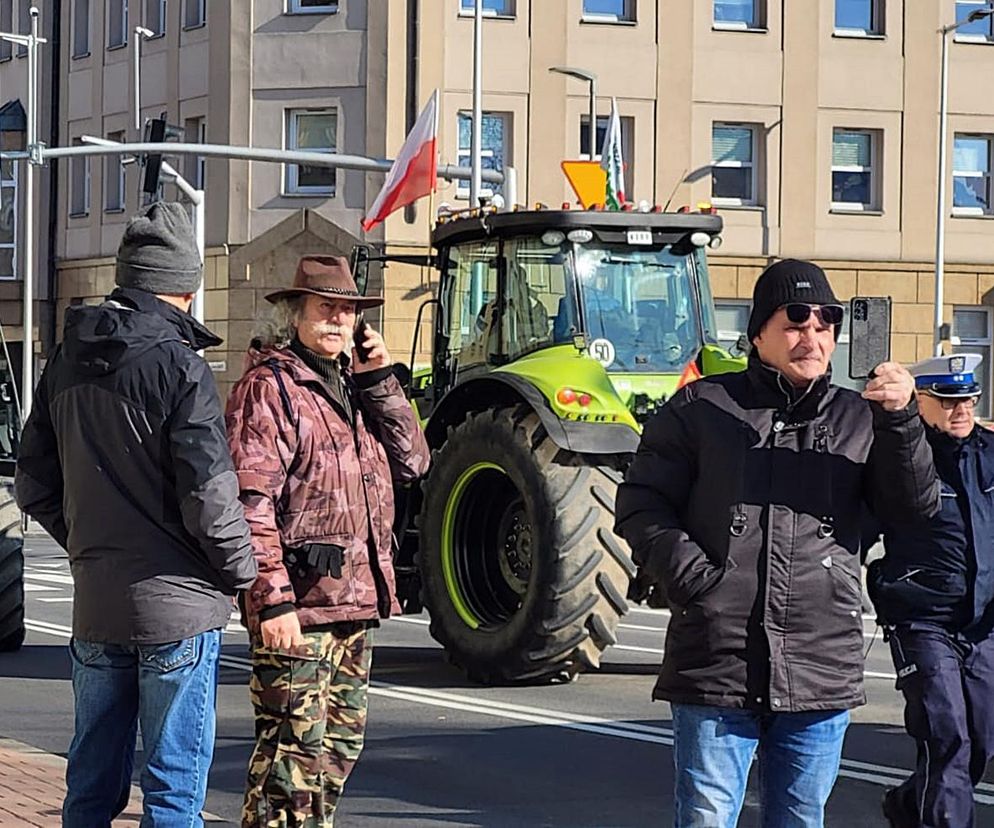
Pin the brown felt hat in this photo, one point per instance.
(328, 276)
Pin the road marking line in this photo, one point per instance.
(408, 620)
(634, 731)
(56, 600)
(39, 588)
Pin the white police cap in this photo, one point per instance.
(947, 376)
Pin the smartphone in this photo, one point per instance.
(869, 334)
(359, 338)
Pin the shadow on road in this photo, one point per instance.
(37, 661)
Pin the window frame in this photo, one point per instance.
(291, 185)
(738, 304)
(11, 183)
(86, 182)
(6, 25)
(987, 366)
(195, 167)
(756, 24)
(23, 23)
(729, 201)
(877, 22)
(628, 16)
(294, 7)
(875, 205)
(510, 14)
(117, 136)
(487, 188)
(163, 7)
(627, 144)
(973, 211)
(76, 29)
(968, 37)
(123, 43)
(201, 6)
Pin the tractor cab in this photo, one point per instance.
(627, 290)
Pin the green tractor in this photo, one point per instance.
(556, 335)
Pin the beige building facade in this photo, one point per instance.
(811, 124)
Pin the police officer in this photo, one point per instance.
(934, 592)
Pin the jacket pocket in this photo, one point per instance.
(165, 658)
(316, 589)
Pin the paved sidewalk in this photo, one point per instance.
(32, 785)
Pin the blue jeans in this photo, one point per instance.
(713, 747)
(167, 689)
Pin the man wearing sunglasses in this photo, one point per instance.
(743, 507)
(934, 592)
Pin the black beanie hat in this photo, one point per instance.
(158, 251)
(789, 280)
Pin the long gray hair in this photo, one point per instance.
(278, 327)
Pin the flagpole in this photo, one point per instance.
(476, 140)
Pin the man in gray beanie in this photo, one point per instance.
(125, 463)
(743, 507)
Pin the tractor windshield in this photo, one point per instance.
(639, 307)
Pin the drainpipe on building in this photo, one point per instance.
(410, 211)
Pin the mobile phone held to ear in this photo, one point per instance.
(359, 338)
(869, 334)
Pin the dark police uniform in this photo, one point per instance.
(934, 592)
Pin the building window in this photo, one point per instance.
(733, 164)
(311, 7)
(6, 25)
(971, 175)
(627, 144)
(79, 171)
(495, 140)
(195, 14)
(311, 130)
(739, 14)
(854, 185)
(114, 195)
(973, 327)
(8, 219)
(155, 17)
(978, 29)
(24, 23)
(609, 11)
(117, 23)
(491, 8)
(81, 29)
(194, 166)
(859, 17)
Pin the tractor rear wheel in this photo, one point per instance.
(521, 572)
(11, 573)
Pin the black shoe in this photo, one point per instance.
(893, 812)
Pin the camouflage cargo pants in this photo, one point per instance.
(310, 721)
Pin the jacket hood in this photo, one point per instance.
(99, 340)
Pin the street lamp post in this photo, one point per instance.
(141, 33)
(591, 78)
(476, 138)
(940, 218)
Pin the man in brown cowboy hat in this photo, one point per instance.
(317, 440)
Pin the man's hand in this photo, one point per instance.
(379, 356)
(892, 386)
(282, 632)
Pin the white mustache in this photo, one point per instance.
(325, 328)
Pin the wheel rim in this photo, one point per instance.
(487, 542)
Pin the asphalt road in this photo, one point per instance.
(441, 751)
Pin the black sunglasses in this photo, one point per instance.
(799, 313)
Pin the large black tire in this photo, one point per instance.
(521, 572)
(11, 573)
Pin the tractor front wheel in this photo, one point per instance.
(521, 572)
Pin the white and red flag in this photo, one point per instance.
(413, 172)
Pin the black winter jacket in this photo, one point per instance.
(124, 461)
(744, 501)
(943, 572)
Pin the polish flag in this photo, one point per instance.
(413, 172)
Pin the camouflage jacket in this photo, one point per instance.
(309, 476)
